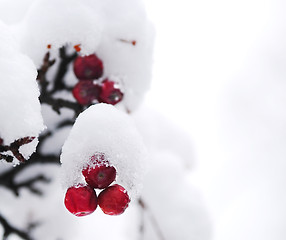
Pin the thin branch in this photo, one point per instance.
(47, 96)
(62, 70)
(152, 218)
(9, 229)
(7, 158)
(59, 103)
(8, 178)
(64, 123)
(30, 184)
(14, 148)
(47, 63)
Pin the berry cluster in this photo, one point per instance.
(81, 200)
(91, 88)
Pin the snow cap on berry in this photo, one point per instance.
(103, 129)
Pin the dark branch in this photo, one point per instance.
(65, 123)
(62, 69)
(30, 184)
(14, 148)
(7, 158)
(57, 104)
(47, 63)
(9, 229)
(58, 83)
(8, 178)
(152, 218)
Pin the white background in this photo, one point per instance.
(220, 73)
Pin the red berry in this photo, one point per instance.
(81, 200)
(99, 176)
(85, 92)
(109, 93)
(88, 67)
(113, 200)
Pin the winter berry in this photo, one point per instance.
(110, 93)
(85, 92)
(113, 200)
(81, 200)
(88, 67)
(99, 176)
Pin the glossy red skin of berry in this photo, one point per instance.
(109, 93)
(99, 176)
(113, 200)
(86, 91)
(81, 200)
(88, 67)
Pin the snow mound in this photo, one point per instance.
(57, 23)
(102, 129)
(19, 94)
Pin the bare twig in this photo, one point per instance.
(8, 178)
(62, 69)
(9, 229)
(14, 148)
(58, 83)
(152, 218)
(57, 104)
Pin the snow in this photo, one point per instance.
(67, 22)
(161, 134)
(118, 32)
(230, 89)
(102, 129)
(177, 206)
(13, 11)
(19, 94)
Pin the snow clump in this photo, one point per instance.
(19, 94)
(102, 129)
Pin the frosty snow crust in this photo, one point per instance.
(19, 94)
(104, 129)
